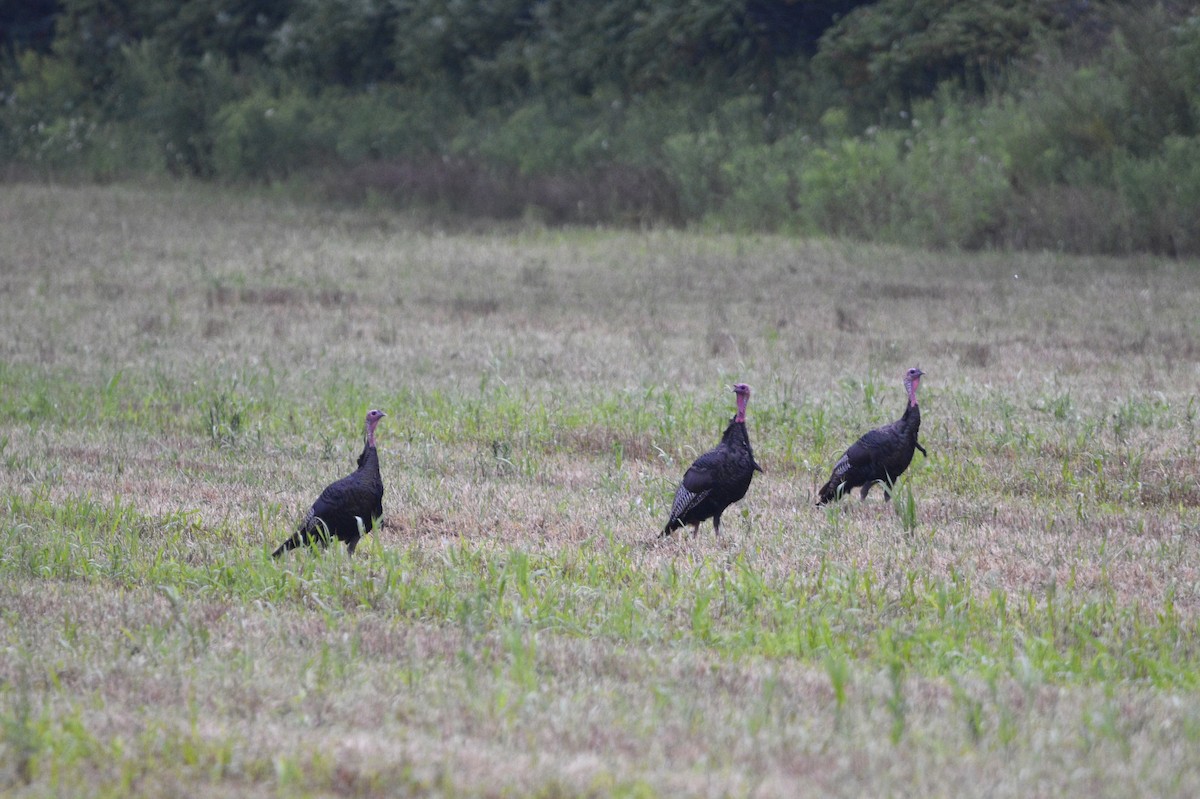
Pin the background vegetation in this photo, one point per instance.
(182, 369)
(1040, 124)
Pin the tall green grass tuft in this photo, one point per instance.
(906, 506)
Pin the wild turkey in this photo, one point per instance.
(881, 455)
(718, 478)
(346, 509)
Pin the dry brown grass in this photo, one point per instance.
(545, 390)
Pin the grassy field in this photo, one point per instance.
(183, 369)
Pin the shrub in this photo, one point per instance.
(849, 187)
(1162, 193)
(694, 163)
(536, 138)
(391, 122)
(1067, 218)
(764, 185)
(44, 119)
(265, 136)
(954, 181)
(173, 103)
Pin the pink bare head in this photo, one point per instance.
(743, 396)
(912, 380)
(373, 417)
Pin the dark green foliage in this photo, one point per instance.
(1157, 60)
(89, 35)
(343, 43)
(478, 48)
(886, 54)
(1033, 123)
(234, 30)
(175, 105)
(28, 25)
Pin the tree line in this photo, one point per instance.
(1066, 124)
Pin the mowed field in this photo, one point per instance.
(183, 369)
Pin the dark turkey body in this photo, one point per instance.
(881, 455)
(343, 506)
(717, 479)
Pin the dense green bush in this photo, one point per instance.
(42, 117)
(884, 55)
(536, 138)
(174, 104)
(389, 121)
(1162, 195)
(936, 184)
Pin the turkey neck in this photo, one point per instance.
(369, 459)
(911, 386)
(368, 462)
(368, 448)
(736, 432)
(912, 413)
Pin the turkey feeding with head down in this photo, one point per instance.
(718, 478)
(346, 509)
(882, 454)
